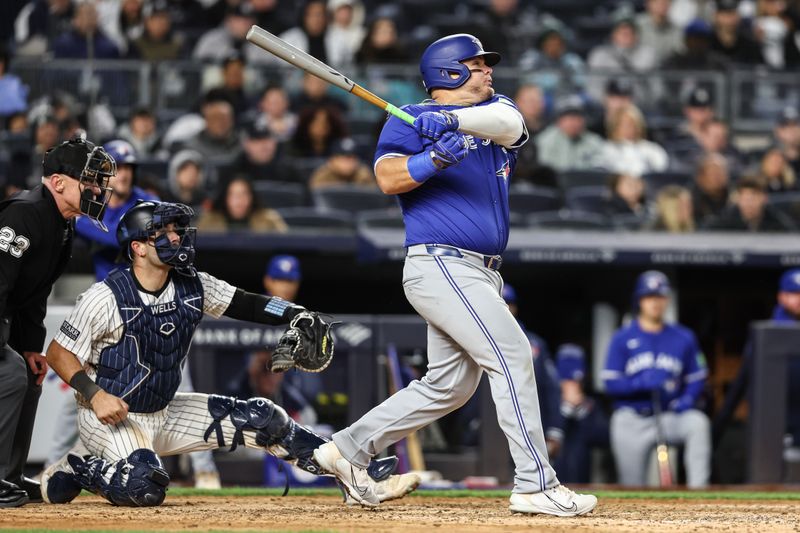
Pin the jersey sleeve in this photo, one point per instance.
(88, 321)
(397, 139)
(614, 378)
(16, 238)
(217, 294)
(500, 99)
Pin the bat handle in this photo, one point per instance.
(399, 113)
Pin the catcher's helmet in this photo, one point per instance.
(148, 219)
(444, 57)
(122, 152)
(91, 166)
(651, 283)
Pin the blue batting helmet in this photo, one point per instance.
(444, 57)
(122, 152)
(651, 283)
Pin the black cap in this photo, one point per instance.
(346, 146)
(69, 158)
(700, 97)
(570, 105)
(619, 87)
(788, 115)
(257, 130)
(727, 5)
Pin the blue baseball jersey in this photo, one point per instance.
(465, 205)
(674, 349)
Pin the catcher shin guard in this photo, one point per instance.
(136, 481)
(256, 414)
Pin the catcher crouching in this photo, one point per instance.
(122, 348)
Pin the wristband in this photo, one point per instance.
(421, 167)
(82, 383)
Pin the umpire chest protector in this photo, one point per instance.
(144, 367)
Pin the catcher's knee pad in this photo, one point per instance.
(268, 420)
(139, 480)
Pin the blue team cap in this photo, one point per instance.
(790, 281)
(509, 294)
(284, 267)
(651, 283)
(570, 362)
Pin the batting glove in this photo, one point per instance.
(434, 124)
(681, 404)
(449, 150)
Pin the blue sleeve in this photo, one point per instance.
(398, 137)
(695, 370)
(614, 378)
(87, 229)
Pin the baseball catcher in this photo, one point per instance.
(306, 344)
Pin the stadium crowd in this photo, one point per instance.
(603, 153)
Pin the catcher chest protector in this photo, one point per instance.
(444, 57)
(144, 368)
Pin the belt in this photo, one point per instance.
(492, 262)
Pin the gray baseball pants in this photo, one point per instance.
(470, 331)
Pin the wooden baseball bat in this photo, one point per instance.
(662, 450)
(291, 54)
(413, 449)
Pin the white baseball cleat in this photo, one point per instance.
(356, 481)
(392, 488)
(558, 501)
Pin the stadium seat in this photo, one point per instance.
(654, 181)
(277, 194)
(351, 198)
(391, 218)
(581, 178)
(527, 200)
(590, 199)
(628, 222)
(154, 167)
(311, 218)
(566, 219)
(787, 203)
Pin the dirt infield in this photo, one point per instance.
(428, 514)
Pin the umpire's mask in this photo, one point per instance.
(91, 166)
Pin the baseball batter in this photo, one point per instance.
(451, 172)
(122, 348)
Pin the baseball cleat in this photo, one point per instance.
(392, 488)
(355, 481)
(558, 501)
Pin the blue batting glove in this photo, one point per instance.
(450, 149)
(434, 124)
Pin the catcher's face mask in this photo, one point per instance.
(172, 234)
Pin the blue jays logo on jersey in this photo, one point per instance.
(504, 171)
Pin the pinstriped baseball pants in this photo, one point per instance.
(470, 330)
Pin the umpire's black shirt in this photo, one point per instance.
(35, 246)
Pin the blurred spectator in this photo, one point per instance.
(314, 93)
(674, 210)
(342, 168)
(275, 16)
(318, 128)
(698, 111)
(750, 211)
(771, 28)
(502, 27)
(649, 361)
(282, 277)
(682, 12)
(312, 36)
(566, 145)
(141, 131)
(39, 23)
(624, 54)
(715, 140)
(260, 158)
(105, 248)
(657, 31)
(233, 82)
(585, 423)
(710, 188)
(382, 44)
(131, 21)
(730, 38)
(627, 150)
(627, 195)
(186, 180)
(787, 136)
(618, 94)
(158, 41)
(236, 208)
(531, 104)
(27, 165)
(218, 140)
(776, 173)
(13, 94)
(698, 54)
(346, 28)
(221, 42)
(274, 114)
(85, 37)
(552, 67)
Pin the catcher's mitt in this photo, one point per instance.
(306, 344)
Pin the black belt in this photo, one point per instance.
(493, 262)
